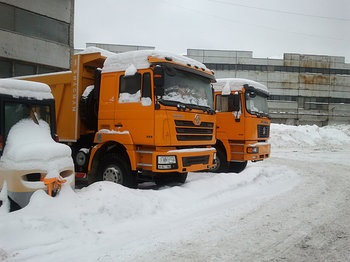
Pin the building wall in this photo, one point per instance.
(304, 89)
(36, 36)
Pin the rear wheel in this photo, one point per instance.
(237, 167)
(116, 169)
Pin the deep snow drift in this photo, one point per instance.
(108, 222)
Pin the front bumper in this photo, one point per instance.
(180, 160)
(250, 151)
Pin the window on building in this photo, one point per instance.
(22, 69)
(5, 68)
(28, 23)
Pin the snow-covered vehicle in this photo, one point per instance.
(30, 158)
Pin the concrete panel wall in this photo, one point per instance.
(31, 49)
(34, 50)
(58, 9)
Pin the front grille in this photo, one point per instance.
(188, 131)
(193, 160)
(263, 131)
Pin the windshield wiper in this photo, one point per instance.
(177, 104)
(183, 106)
(205, 109)
(260, 114)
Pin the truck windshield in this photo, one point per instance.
(187, 88)
(256, 104)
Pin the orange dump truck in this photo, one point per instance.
(243, 123)
(135, 116)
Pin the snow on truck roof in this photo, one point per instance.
(23, 88)
(94, 49)
(139, 59)
(226, 85)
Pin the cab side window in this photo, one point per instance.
(134, 87)
(224, 103)
(221, 103)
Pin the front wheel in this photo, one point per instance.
(221, 162)
(180, 177)
(237, 167)
(116, 169)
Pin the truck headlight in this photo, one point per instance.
(252, 150)
(166, 162)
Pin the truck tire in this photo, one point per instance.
(116, 169)
(237, 167)
(180, 177)
(221, 162)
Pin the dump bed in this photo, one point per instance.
(67, 88)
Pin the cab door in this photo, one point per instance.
(229, 116)
(135, 107)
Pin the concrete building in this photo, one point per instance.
(304, 89)
(36, 36)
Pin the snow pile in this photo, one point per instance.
(30, 146)
(89, 224)
(286, 136)
(23, 88)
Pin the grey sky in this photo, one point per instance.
(268, 28)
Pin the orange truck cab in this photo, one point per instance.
(135, 116)
(243, 123)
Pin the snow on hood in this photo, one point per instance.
(30, 146)
(226, 85)
(139, 59)
(23, 88)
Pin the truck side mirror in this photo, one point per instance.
(250, 90)
(158, 79)
(236, 102)
(236, 106)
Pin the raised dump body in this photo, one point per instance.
(243, 123)
(135, 115)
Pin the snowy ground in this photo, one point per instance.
(294, 206)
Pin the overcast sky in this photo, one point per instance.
(269, 28)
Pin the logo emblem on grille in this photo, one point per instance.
(197, 120)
